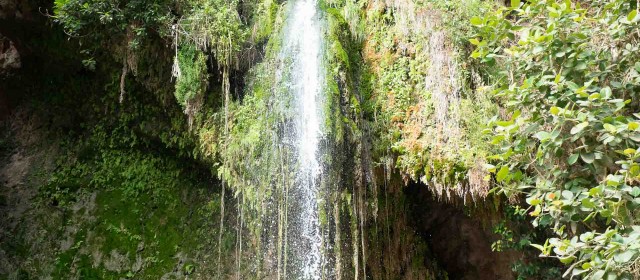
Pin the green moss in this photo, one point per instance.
(66, 260)
(153, 227)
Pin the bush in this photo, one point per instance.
(569, 79)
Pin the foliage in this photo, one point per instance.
(419, 97)
(535, 270)
(213, 25)
(120, 174)
(192, 79)
(341, 121)
(108, 20)
(569, 78)
(135, 173)
(517, 235)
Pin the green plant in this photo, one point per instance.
(535, 270)
(214, 25)
(568, 76)
(189, 269)
(192, 75)
(99, 21)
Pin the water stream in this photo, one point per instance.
(302, 79)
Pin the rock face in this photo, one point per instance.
(4, 106)
(15, 15)
(14, 9)
(9, 55)
(13, 12)
(9, 61)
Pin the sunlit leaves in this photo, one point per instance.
(543, 136)
(477, 21)
(578, 140)
(633, 16)
(502, 174)
(579, 127)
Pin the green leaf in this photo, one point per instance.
(629, 151)
(587, 157)
(612, 183)
(614, 180)
(542, 135)
(572, 159)
(576, 271)
(516, 4)
(608, 138)
(586, 202)
(599, 275)
(609, 127)
(504, 123)
(567, 194)
(579, 127)
(490, 167)
(535, 202)
(631, 17)
(497, 139)
(515, 115)
(502, 174)
(624, 256)
(477, 21)
(567, 260)
(474, 41)
(539, 247)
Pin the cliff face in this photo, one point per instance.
(11, 13)
(110, 167)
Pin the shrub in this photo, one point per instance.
(569, 80)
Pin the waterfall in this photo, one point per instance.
(300, 86)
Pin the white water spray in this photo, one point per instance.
(301, 57)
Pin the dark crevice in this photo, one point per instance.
(460, 243)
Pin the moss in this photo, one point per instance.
(66, 260)
(154, 228)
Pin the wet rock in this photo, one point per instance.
(9, 55)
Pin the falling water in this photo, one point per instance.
(301, 78)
